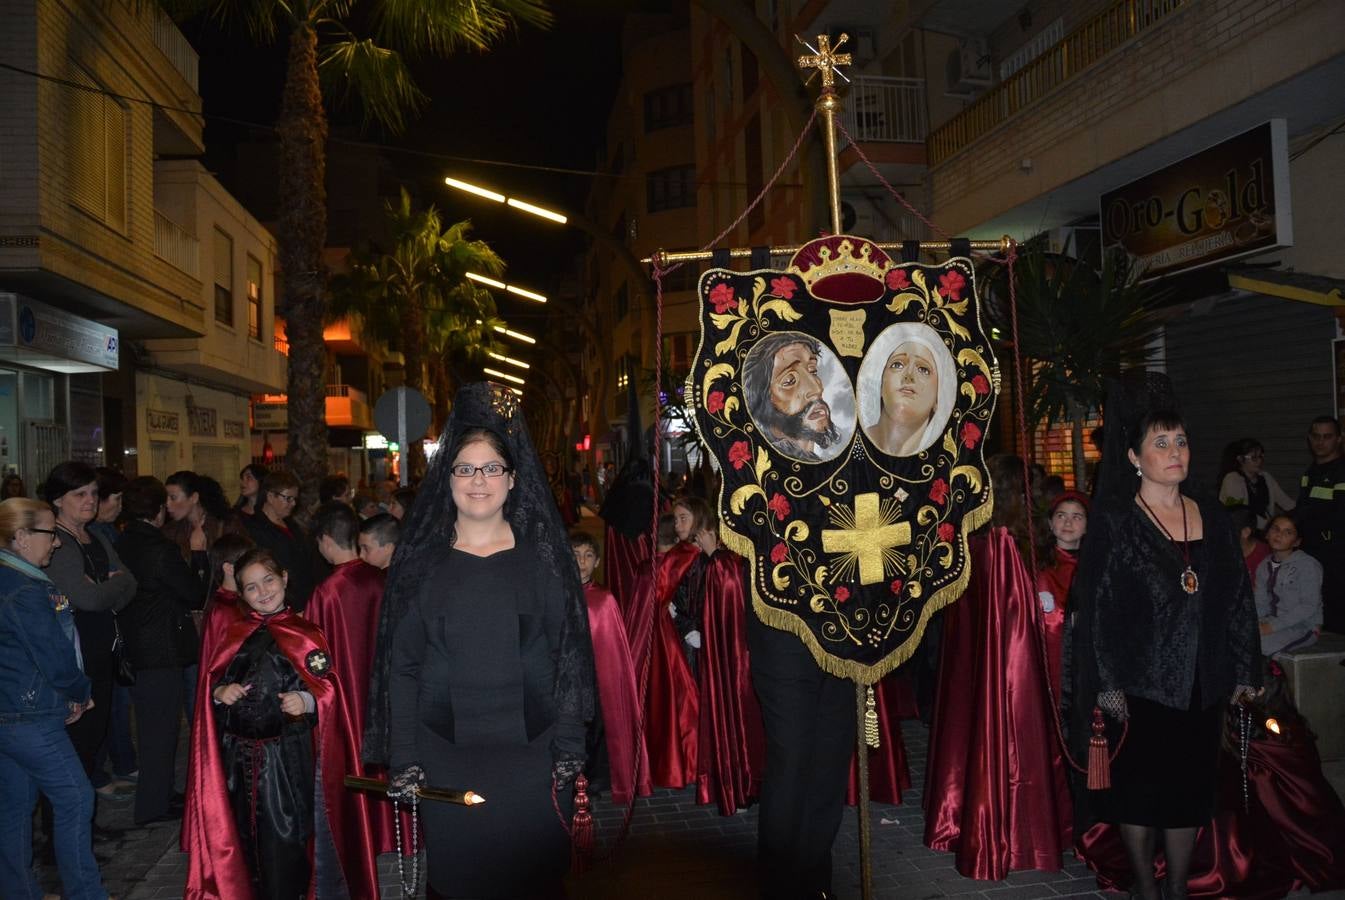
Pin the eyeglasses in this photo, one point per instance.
(490, 470)
(50, 531)
(286, 498)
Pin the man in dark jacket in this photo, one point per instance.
(160, 642)
(274, 528)
(1321, 515)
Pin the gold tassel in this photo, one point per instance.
(870, 719)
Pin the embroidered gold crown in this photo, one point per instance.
(840, 257)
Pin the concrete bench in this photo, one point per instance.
(1317, 686)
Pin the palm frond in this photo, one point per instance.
(373, 79)
(1076, 327)
(446, 26)
(260, 19)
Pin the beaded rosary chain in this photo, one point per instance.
(408, 891)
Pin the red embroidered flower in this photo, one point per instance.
(783, 287)
(938, 491)
(739, 454)
(951, 284)
(946, 531)
(721, 296)
(897, 585)
(779, 505)
(897, 279)
(971, 434)
(779, 553)
(714, 402)
(980, 385)
(842, 594)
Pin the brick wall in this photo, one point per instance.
(1206, 57)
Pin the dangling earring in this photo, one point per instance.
(1138, 470)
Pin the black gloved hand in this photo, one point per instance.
(1113, 703)
(565, 771)
(404, 786)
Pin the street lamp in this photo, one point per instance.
(516, 335)
(516, 203)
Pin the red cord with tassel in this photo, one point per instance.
(1099, 761)
(581, 828)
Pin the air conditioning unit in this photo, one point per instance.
(862, 47)
(969, 69)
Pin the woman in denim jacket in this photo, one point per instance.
(42, 688)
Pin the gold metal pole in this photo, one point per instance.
(862, 808)
(829, 104)
(441, 795)
(669, 257)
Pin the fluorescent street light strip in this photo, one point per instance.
(516, 203)
(509, 359)
(505, 375)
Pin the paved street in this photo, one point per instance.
(675, 849)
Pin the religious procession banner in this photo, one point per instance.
(847, 399)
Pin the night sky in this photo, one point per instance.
(540, 98)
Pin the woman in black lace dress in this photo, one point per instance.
(485, 661)
(1165, 637)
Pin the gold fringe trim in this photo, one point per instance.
(847, 668)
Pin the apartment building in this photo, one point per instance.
(141, 293)
(1191, 114)
(1019, 117)
(194, 394)
(649, 201)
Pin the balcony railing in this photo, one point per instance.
(345, 390)
(169, 39)
(174, 244)
(886, 109)
(1093, 40)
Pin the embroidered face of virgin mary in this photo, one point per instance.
(907, 388)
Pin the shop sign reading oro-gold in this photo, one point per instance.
(847, 399)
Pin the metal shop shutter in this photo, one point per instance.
(1251, 366)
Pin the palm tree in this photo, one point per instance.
(328, 50)
(417, 297)
(1077, 328)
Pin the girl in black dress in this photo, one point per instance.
(484, 673)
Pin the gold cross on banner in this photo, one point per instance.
(871, 535)
(825, 59)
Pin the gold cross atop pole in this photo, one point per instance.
(825, 59)
(868, 539)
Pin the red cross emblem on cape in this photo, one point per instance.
(846, 400)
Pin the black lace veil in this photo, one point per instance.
(429, 532)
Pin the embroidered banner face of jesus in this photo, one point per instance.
(846, 399)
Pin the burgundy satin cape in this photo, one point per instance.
(221, 611)
(993, 785)
(1291, 836)
(346, 606)
(623, 558)
(1057, 579)
(889, 772)
(617, 695)
(732, 737)
(216, 865)
(671, 701)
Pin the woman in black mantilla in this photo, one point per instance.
(483, 678)
(1165, 635)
